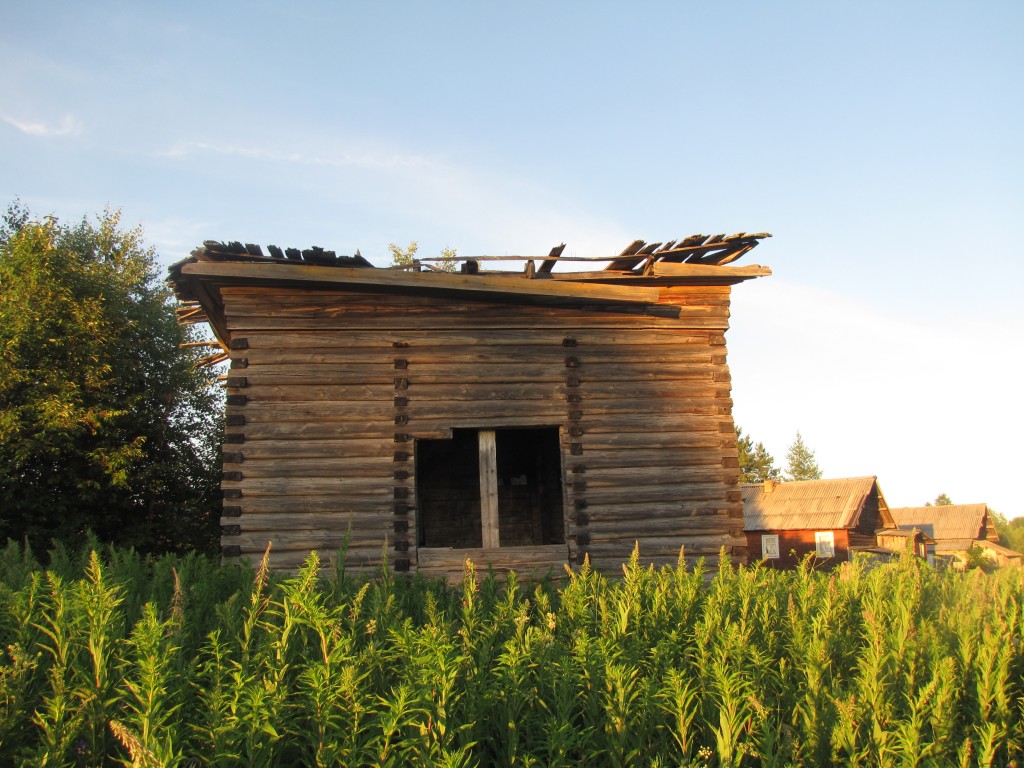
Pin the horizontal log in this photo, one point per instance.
(385, 338)
(598, 421)
(428, 415)
(395, 323)
(283, 359)
(668, 269)
(482, 391)
(302, 430)
(329, 506)
(680, 493)
(359, 523)
(667, 456)
(302, 393)
(661, 547)
(379, 468)
(288, 449)
(309, 540)
(681, 510)
(693, 294)
(594, 441)
(346, 488)
(658, 526)
(315, 486)
(261, 412)
(287, 559)
(529, 562)
(609, 562)
(607, 369)
(655, 475)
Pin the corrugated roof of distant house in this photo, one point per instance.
(958, 524)
(808, 504)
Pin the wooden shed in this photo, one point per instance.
(523, 418)
(786, 521)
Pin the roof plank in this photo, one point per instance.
(512, 285)
(548, 264)
(627, 259)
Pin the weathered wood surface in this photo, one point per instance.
(489, 488)
(535, 561)
(672, 269)
(421, 281)
(462, 341)
(332, 389)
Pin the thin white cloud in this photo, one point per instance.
(340, 159)
(68, 125)
(496, 211)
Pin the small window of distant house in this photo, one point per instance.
(490, 488)
(770, 546)
(824, 544)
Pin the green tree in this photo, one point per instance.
(105, 422)
(756, 464)
(406, 257)
(942, 500)
(800, 461)
(403, 257)
(1011, 532)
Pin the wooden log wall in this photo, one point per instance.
(794, 546)
(329, 390)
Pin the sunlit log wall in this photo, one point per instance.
(329, 390)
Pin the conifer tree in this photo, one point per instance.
(800, 461)
(756, 464)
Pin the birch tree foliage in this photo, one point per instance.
(105, 423)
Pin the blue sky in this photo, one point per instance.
(880, 142)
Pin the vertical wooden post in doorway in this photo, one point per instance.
(489, 488)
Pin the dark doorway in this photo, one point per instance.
(527, 489)
(448, 491)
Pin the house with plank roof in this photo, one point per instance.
(512, 413)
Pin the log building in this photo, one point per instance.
(830, 519)
(524, 419)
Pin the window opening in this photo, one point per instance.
(770, 546)
(824, 544)
(489, 488)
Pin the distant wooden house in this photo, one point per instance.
(955, 529)
(522, 419)
(829, 519)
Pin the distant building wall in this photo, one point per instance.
(794, 546)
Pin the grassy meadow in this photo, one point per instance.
(107, 658)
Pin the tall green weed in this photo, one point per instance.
(110, 658)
